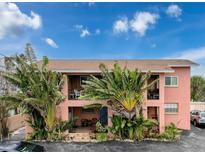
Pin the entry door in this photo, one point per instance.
(152, 113)
(104, 116)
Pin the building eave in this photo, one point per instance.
(98, 71)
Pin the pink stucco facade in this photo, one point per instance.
(179, 94)
(152, 108)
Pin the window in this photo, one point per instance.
(171, 81)
(171, 107)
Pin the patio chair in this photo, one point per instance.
(77, 93)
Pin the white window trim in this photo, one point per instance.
(171, 113)
(172, 86)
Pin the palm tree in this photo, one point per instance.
(39, 88)
(122, 88)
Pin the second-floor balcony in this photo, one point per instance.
(75, 87)
(153, 91)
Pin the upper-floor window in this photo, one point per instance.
(171, 107)
(171, 81)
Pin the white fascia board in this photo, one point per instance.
(98, 71)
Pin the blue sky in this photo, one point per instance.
(106, 30)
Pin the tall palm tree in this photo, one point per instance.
(39, 88)
(122, 88)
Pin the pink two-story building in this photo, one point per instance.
(168, 101)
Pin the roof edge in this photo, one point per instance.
(98, 71)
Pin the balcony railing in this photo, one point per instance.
(75, 94)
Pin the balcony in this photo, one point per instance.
(153, 92)
(75, 85)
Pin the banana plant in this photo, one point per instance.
(39, 88)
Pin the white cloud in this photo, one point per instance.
(142, 21)
(51, 42)
(199, 70)
(121, 25)
(83, 31)
(13, 20)
(97, 31)
(191, 54)
(196, 55)
(174, 11)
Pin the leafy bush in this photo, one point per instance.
(56, 134)
(101, 137)
(63, 126)
(100, 128)
(101, 132)
(118, 126)
(171, 132)
(38, 125)
(135, 128)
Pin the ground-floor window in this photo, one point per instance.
(171, 107)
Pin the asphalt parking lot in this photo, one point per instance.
(193, 140)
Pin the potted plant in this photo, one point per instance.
(101, 132)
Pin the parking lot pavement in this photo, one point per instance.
(193, 140)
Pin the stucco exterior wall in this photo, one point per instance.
(15, 122)
(180, 95)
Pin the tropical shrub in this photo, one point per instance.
(118, 126)
(124, 128)
(38, 125)
(171, 132)
(56, 134)
(143, 125)
(101, 132)
(100, 128)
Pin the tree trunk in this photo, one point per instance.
(138, 110)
